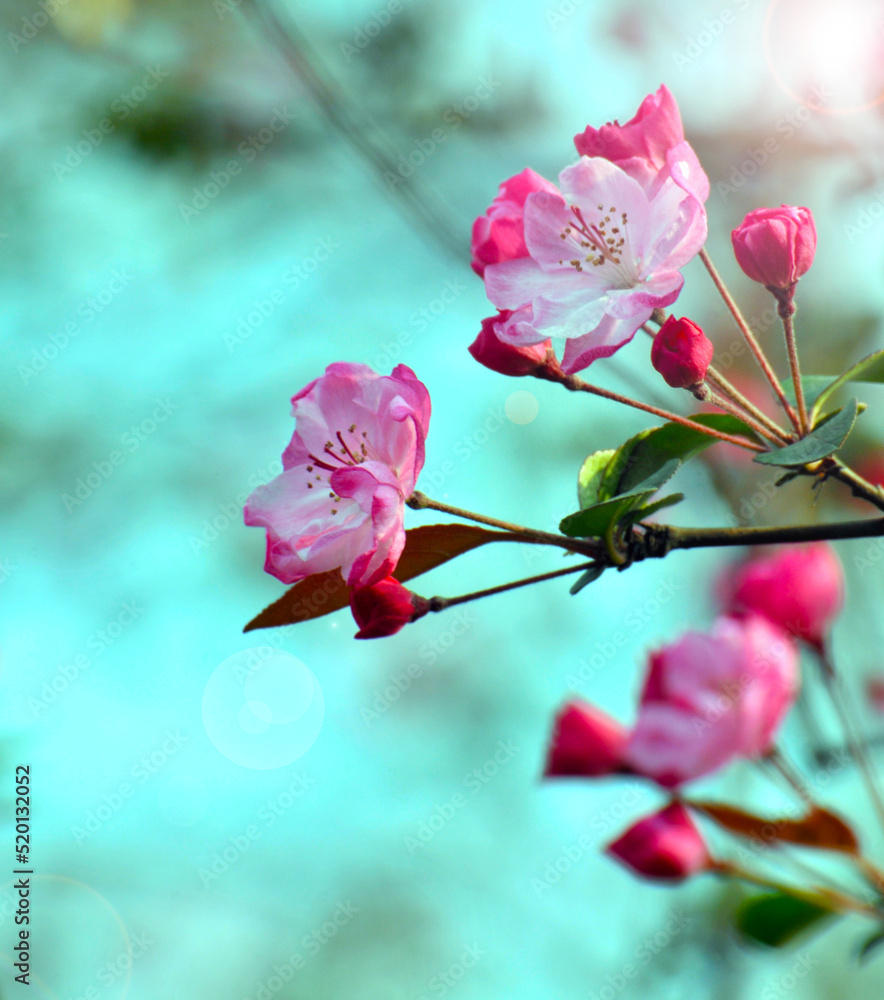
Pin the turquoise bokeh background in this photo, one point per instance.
(159, 310)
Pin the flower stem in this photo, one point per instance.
(818, 895)
(856, 746)
(749, 337)
(420, 501)
(789, 329)
(717, 379)
(441, 603)
(692, 538)
(859, 487)
(574, 384)
(705, 394)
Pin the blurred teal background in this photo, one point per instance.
(193, 224)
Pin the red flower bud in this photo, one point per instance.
(681, 353)
(384, 608)
(507, 358)
(666, 845)
(585, 742)
(775, 246)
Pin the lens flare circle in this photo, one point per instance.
(263, 708)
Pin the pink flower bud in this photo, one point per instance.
(775, 246)
(505, 357)
(666, 845)
(499, 234)
(681, 353)
(712, 697)
(800, 588)
(585, 742)
(384, 608)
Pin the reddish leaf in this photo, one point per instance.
(425, 548)
(819, 828)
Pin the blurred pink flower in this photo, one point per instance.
(351, 464)
(666, 845)
(800, 588)
(586, 742)
(712, 697)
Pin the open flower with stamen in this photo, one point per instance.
(352, 463)
(603, 254)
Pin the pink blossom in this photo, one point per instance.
(586, 742)
(711, 697)
(682, 353)
(649, 147)
(351, 464)
(385, 607)
(494, 350)
(499, 234)
(775, 246)
(603, 254)
(800, 588)
(666, 845)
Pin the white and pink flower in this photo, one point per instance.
(352, 463)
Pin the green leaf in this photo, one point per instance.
(775, 918)
(596, 520)
(642, 455)
(641, 513)
(589, 479)
(819, 388)
(613, 485)
(590, 576)
(870, 369)
(812, 385)
(825, 439)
